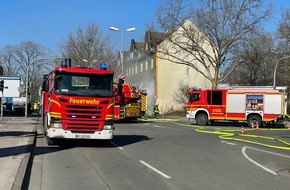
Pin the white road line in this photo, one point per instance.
(156, 126)
(282, 155)
(230, 143)
(154, 169)
(256, 163)
(121, 148)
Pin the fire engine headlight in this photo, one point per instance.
(56, 125)
(108, 127)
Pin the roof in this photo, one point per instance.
(154, 38)
(137, 46)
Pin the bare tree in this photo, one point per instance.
(17, 60)
(283, 36)
(88, 44)
(221, 26)
(257, 55)
(284, 31)
(181, 94)
(7, 61)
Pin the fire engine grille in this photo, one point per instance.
(83, 119)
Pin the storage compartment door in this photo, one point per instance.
(236, 103)
(273, 104)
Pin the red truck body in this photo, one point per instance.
(256, 105)
(77, 103)
(129, 101)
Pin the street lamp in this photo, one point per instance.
(274, 78)
(122, 52)
(27, 78)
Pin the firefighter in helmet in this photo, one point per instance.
(156, 110)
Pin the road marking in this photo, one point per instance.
(230, 143)
(282, 155)
(154, 169)
(256, 163)
(156, 126)
(121, 148)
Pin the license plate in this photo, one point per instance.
(83, 136)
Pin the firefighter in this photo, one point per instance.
(156, 110)
(36, 107)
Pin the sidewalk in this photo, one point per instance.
(16, 140)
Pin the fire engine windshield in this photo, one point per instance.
(194, 97)
(84, 85)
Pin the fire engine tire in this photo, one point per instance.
(201, 119)
(211, 122)
(257, 120)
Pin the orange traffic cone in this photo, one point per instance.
(257, 127)
(243, 131)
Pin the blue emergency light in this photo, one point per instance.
(66, 63)
(103, 66)
(63, 64)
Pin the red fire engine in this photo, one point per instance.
(130, 101)
(77, 103)
(256, 105)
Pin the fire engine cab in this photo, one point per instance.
(77, 103)
(256, 105)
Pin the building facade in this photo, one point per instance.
(150, 70)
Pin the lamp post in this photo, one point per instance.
(27, 79)
(122, 52)
(274, 78)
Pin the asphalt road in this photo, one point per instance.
(159, 156)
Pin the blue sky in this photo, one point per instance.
(48, 22)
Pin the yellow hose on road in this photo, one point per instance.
(232, 135)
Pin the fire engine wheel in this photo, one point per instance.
(254, 120)
(201, 119)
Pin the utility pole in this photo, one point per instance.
(2, 90)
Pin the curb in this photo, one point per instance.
(22, 177)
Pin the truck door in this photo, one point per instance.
(216, 102)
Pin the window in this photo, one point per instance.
(194, 97)
(214, 97)
(141, 67)
(136, 69)
(83, 85)
(146, 65)
(152, 64)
